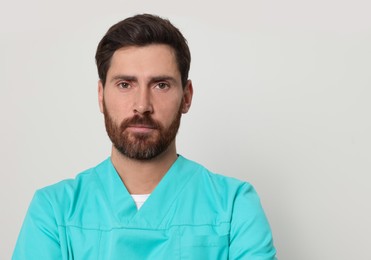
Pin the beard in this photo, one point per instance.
(141, 146)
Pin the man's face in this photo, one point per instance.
(143, 100)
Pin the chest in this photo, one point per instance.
(206, 241)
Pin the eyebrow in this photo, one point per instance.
(123, 77)
(152, 79)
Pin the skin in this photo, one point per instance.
(144, 80)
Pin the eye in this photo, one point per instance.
(123, 85)
(162, 86)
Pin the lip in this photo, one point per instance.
(141, 128)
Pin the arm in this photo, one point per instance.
(250, 235)
(39, 237)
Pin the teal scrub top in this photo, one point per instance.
(191, 214)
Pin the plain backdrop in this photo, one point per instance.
(282, 100)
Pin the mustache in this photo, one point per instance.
(145, 120)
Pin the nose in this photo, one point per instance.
(143, 103)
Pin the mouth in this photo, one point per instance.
(141, 128)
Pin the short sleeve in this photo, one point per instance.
(38, 238)
(250, 235)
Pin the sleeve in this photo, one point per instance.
(38, 238)
(250, 234)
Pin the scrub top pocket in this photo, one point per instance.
(205, 247)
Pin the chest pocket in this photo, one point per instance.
(205, 247)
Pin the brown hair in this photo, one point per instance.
(142, 30)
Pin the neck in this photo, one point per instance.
(142, 176)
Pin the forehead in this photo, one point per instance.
(149, 60)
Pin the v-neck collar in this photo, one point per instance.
(154, 210)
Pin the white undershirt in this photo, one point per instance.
(139, 199)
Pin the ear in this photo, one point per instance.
(187, 96)
(100, 95)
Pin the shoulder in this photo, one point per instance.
(65, 197)
(69, 186)
(222, 190)
(218, 181)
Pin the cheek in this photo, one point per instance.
(168, 111)
(118, 109)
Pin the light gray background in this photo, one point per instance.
(282, 99)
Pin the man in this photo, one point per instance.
(145, 201)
